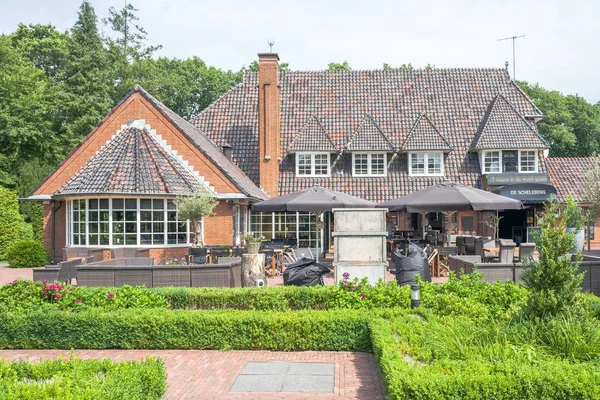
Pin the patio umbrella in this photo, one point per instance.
(315, 200)
(451, 196)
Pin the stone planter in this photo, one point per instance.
(253, 248)
(579, 240)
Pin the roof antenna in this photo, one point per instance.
(513, 38)
(270, 43)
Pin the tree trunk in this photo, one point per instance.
(253, 269)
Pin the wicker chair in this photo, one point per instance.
(229, 260)
(63, 272)
(197, 255)
(216, 275)
(96, 275)
(171, 275)
(460, 245)
(526, 251)
(140, 275)
(507, 251)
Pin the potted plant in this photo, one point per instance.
(574, 220)
(252, 243)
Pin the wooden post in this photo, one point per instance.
(253, 269)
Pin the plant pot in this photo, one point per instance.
(253, 248)
(579, 240)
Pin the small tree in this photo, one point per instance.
(593, 191)
(195, 207)
(554, 280)
(493, 221)
(12, 225)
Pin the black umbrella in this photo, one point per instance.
(451, 196)
(316, 200)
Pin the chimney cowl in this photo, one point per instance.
(227, 150)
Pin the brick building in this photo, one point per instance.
(373, 134)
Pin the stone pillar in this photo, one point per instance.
(253, 269)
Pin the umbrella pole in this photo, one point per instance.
(317, 216)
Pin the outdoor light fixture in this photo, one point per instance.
(415, 295)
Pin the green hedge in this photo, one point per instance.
(82, 379)
(412, 369)
(27, 253)
(183, 329)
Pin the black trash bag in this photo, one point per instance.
(413, 263)
(305, 272)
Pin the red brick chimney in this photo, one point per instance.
(269, 122)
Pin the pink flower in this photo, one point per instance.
(57, 296)
(111, 295)
(13, 282)
(362, 295)
(45, 281)
(77, 301)
(354, 287)
(346, 275)
(345, 281)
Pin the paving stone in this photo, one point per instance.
(311, 369)
(257, 383)
(308, 383)
(265, 368)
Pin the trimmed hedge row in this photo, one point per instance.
(346, 330)
(82, 379)
(476, 378)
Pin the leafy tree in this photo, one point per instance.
(27, 113)
(186, 86)
(195, 208)
(554, 280)
(343, 66)
(128, 49)
(592, 191)
(571, 125)
(44, 46)
(88, 80)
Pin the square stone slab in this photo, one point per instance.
(265, 368)
(311, 369)
(308, 383)
(257, 383)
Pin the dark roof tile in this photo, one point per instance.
(425, 136)
(569, 175)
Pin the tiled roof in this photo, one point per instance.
(210, 149)
(312, 137)
(134, 161)
(569, 175)
(504, 127)
(424, 136)
(455, 101)
(369, 137)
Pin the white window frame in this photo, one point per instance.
(369, 164)
(69, 220)
(500, 171)
(535, 158)
(426, 162)
(312, 165)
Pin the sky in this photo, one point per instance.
(560, 50)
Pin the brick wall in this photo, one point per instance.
(269, 122)
(60, 229)
(218, 228)
(162, 255)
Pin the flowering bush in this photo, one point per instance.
(27, 295)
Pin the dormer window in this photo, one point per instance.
(312, 165)
(369, 164)
(509, 161)
(426, 164)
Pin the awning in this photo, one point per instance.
(529, 192)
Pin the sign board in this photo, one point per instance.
(529, 191)
(513, 178)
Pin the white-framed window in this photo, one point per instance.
(528, 161)
(299, 228)
(491, 162)
(312, 164)
(508, 160)
(369, 164)
(425, 164)
(124, 222)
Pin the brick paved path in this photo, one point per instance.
(207, 374)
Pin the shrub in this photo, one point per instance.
(429, 357)
(82, 379)
(26, 254)
(12, 225)
(554, 280)
(343, 330)
(25, 295)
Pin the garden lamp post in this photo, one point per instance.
(415, 295)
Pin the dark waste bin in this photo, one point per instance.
(305, 272)
(410, 264)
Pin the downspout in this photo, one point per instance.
(54, 209)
